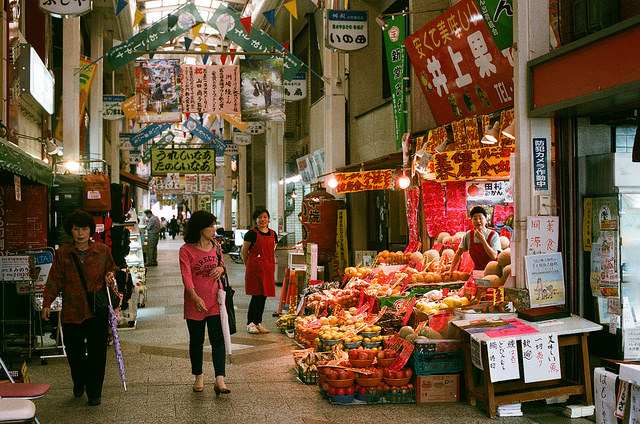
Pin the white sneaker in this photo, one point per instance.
(262, 328)
(252, 329)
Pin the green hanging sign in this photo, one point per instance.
(177, 23)
(498, 15)
(164, 141)
(394, 36)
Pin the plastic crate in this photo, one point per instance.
(308, 376)
(437, 362)
(436, 345)
(393, 395)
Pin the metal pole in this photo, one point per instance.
(228, 53)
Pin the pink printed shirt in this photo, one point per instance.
(196, 265)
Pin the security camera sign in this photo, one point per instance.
(347, 29)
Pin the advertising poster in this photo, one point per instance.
(205, 183)
(461, 70)
(545, 279)
(262, 90)
(192, 161)
(609, 277)
(596, 269)
(210, 89)
(190, 183)
(172, 180)
(157, 90)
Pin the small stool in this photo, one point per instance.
(17, 411)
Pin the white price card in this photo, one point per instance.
(540, 357)
(623, 396)
(604, 388)
(631, 343)
(476, 352)
(503, 359)
(634, 405)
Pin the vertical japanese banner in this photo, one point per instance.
(461, 70)
(262, 90)
(342, 248)
(157, 90)
(86, 78)
(540, 164)
(210, 89)
(394, 36)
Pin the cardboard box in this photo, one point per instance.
(519, 297)
(438, 388)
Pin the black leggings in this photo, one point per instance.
(256, 308)
(86, 347)
(196, 341)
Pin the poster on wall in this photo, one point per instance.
(157, 90)
(190, 183)
(542, 234)
(210, 89)
(545, 279)
(262, 90)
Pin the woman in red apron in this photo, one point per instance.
(483, 244)
(258, 253)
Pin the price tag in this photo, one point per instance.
(409, 310)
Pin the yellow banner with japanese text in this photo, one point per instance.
(184, 161)
(86, 78)
(350, 182)
(472, 164)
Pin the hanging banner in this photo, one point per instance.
(350, 182)
(460, 69)
(148, 133)
(205, 183)
(67, 9)
(226, 19)
(241, 139)
(111, 107)
(210, 89)
(164, 141)
(394, 36)
(472, 163)
(296, 89)
(129, 107)
(347, 30)
(86, 78)
(262, 94)
(194, 161)
(540, 164)
(183, 19)
(204, 134)
(157, 99)
(498, 15)
(235, 119)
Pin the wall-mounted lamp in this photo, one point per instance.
(491, 134)
(72, 166)
(332, 181)
(403, 181)
(510, 131)
(384, 25)
(51, 147)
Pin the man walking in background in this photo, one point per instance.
(153, 234)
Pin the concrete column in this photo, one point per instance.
(242, 214)
(273, 172)
(70, 89)
(95, 94)
(3, 65)
(228, 186)
(114, 131)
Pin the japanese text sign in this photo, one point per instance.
(296, 89)
(66, 8)
(540, 357)
(489, 192)
(165, 140)
(15, 268)
(542, 234)
(190, 183)
(498, 15)
(210, 89)
(604, 386)
(111, 107)
(460, 69)
(545, 279)
(205, 183)
(540, 165)
(503, 359)
(350, 182)
(148, 133)
(472, 163)
(195, 161)
(347, 29)
(235, 119)
(204, 134)
(396, 55)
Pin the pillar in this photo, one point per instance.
(95, 94)
(274, 170)
(70, 88)
(243, 203)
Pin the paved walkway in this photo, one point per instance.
(262, 378)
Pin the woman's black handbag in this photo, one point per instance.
(98, 301)
(231, 313)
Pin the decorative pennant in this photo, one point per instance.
(270, 16)
(151, 55)
(196, 30)
(286, 45)
(201, 117)
(188, 114)
(172, 20)
(187, 43)
(205, 57)
(223, 58)
(121, 5)
(224, 23)
(246, 23)
(138, 17)
(292, 8)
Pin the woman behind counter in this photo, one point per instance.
(85, 335)
(202, 266)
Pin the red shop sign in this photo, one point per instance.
(459, 66)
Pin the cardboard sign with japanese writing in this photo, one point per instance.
(15, 268)
(503, 359)
(540, 357)
(193, 161)
(350, 182)
(347, 30)
(545, 279)
(604, 385)
(111, 107)
(210, 89)
(542, 234)
(205, 183)
(472, 164)
(461, 71)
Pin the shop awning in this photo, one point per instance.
(14, 160)
(134, 179)
(391, 161)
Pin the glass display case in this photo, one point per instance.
(135, 264)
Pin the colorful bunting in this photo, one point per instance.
(270, 16)
(138, 17)
(246, 23)
(286, 45)
(205, 57)
(196, 30)
(121, 5)
(292, 8)
(223, 58)
(187, 43)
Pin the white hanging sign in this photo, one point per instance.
(66, 8)
(605, 396)
(241, 139)
(296, 89)
(503, 359)
(540, 357)
(255, 128)
(112, 110)
(347, 29)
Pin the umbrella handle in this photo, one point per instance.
(230, 359)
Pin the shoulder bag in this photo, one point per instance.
(98, 301)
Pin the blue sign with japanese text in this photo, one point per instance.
(148, 133)
(540, 166)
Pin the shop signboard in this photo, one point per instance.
(472, 164)
(347, 30)
(148, 133)
(489, 192)
(255, 128)
(241, 139)
(461, 70)
(192, 161)
(351, 182)
(498, 15)
(135, 156)
(125, 141)
(540, 165)
(164, 141)
(66, 9)
(231, 149)
(394, 36)
(111, 107)
(296, 89)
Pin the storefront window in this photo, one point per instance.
(624, 138)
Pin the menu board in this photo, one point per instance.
(23, 224)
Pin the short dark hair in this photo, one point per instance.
(198, 222)
(80, 219)
(259, 212)
(148, 211)
(477, 209)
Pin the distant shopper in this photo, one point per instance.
(482, 243)
(174, 227)
(202, 266)
(85, 335)
(153, 235)
(163, 228)
(258, 253)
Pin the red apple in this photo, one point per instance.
(372, 354)
(326, 386)
(332, 391)
(350, 390)
(350, 375)
(408, 372)
(332, 375)
(342, 375)
(361, 390)
(380, 354)
(353, 354)
(378, 373)
(387, 373)
(362, 355)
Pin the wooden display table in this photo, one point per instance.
(572, 331)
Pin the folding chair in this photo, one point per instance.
(17, 411)
(21, 391)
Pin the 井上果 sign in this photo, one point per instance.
(192, 161)
(470, 164)
(350, 182)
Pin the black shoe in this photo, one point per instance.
(94, 401)
(78, 391)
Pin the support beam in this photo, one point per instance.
(70, 88)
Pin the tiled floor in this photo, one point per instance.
(261, 377)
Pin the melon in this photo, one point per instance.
(449, 252)
(494, 280)
(504, 242)
(417, 257)
(506, 272)
(458, 236)
(405, 331)
(442, 235)
(432, 255)
(504, 258)
(447, 240)
(492, 268)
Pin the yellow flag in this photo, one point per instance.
(196, 30)
(137, 18)
(292, 8)
(235, 120)
(129, 107)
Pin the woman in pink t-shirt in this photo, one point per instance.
(202, 266)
